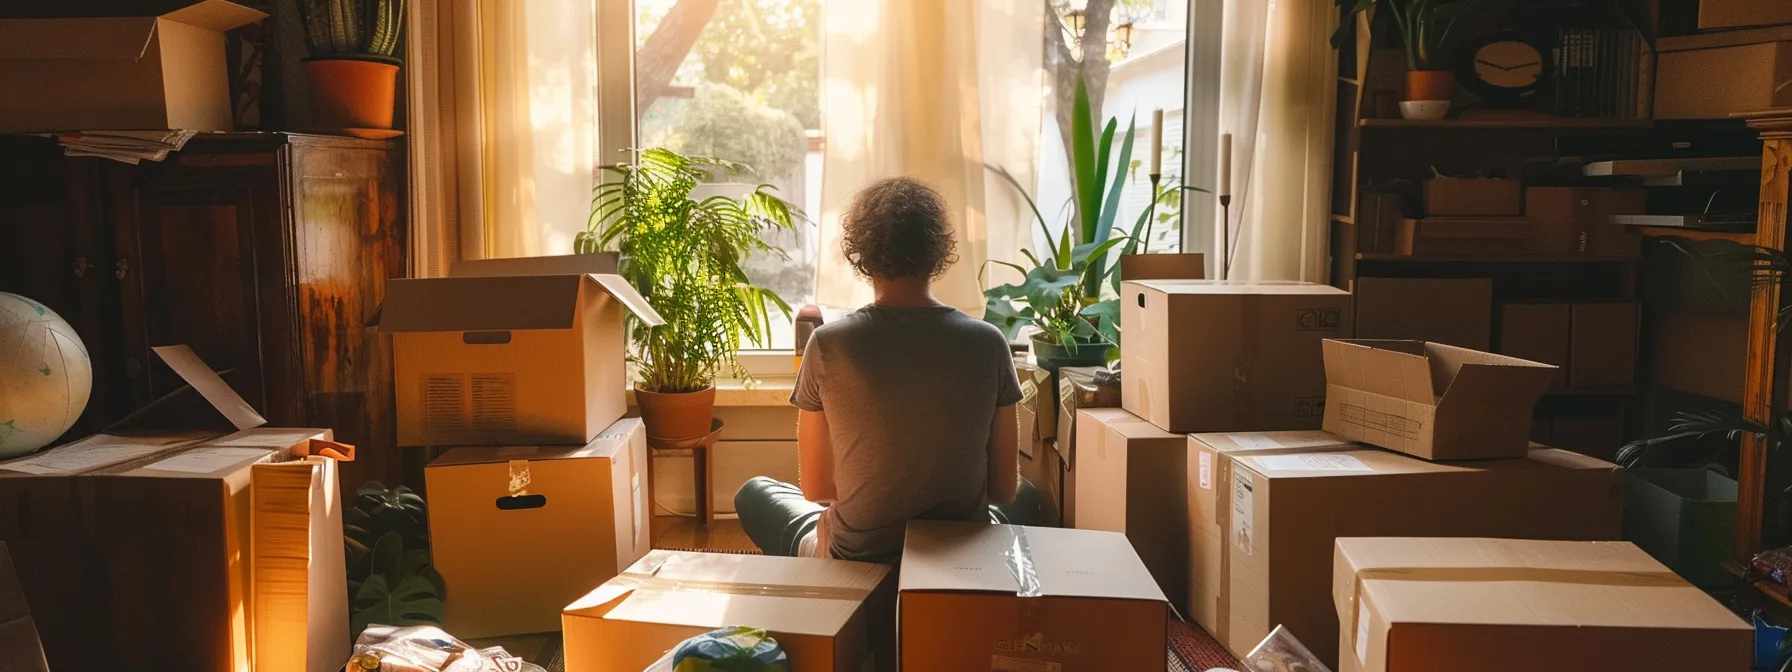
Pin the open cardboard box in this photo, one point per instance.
(1430, 400)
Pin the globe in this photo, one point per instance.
(45, 375)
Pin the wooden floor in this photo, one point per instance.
(683, 533)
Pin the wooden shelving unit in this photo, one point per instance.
(1529, 259)
(1763, 370)
(1695, 234)
(1552, 124)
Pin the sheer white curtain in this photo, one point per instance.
(904, 94)
(1278, 74)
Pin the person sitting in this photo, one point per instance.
(906, 407)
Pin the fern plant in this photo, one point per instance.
(684, 255)
(349, 28)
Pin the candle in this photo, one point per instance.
(1225, 164)
(1157, 141)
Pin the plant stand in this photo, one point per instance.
(701, 471)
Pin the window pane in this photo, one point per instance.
(740, 80)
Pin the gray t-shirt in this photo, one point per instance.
(910, 396)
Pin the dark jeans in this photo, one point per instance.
(776, 517)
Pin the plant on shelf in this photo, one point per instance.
(684, 255)
(1424, 27)
(1062, 294)
(391, 579)
(352, 71)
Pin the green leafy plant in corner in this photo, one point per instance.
(1062, 293)
(347, 28)
(1424, 25)
(684, 255)
(391, 579)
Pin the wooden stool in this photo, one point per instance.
(701, 470)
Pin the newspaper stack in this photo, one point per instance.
(130, 147)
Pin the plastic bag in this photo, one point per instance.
(734, 649)
(426, 648)
(1281, 652)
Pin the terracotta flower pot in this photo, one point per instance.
(351, 92)
(677, 415)
(1429, 84)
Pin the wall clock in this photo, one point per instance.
(1505, 68)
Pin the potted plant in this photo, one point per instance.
(1062, 293)
(684, 255)
(352, 72)
(391, 579)
(1424, 29)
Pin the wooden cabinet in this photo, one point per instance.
(267, 253)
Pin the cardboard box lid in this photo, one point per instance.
(1232, 442)
(607, 444)
(1433, 374)
(505, 294)
(1124, 423)
(1239, 287)
(1360, 460)
(567, 264)
(1519, 582)
(20, 648)
(1023, 561)
(805, 596)
(112, 38)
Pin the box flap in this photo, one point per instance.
(631, 299)
(216, 392)
(480, 303)
(217, 15)
(1188, 266)
(1239, 287)
(793, 595)
(1242, 442)
(1024, 561)
(20, 648)
(1395, 369)
(613, 440)
(1474, 378)
(570, 264)
(110, 38)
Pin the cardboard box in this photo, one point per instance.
(1430, 400)
(127, 73)
(814, 608)
(1464, 237)
(483, 359)
(1603, 348)
(1205, 355)
(1129, 478)
(1538, 332)
(1452, 311)
(1479, 605)
(18, 634)
(1185, 266)
(1282, 512)
(1036, 418)
(1473, 197)
(1211, 454)
(1716, 83)
(1072, 601)
(1715, 14)
(1578, 220)
(1079, 387)
(580, 513)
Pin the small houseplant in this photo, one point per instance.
(1061, 294)
(352, 71)
(391, 579)
(1424, 30)
(684, 255)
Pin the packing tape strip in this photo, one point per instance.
(1019, 558)
(637, 581)
(519, 478)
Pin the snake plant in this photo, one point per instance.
(349, 28)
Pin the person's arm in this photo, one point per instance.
(815, 457)
(1004, 457)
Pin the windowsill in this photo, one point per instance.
(771, 391)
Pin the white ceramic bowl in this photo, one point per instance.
(1424, 109)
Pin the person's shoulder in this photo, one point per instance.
(977, 328)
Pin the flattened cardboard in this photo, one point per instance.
(1070, 600)
(129, 73)
(1207, 355)
(300, 589)
(580, 511)
(536, 357)
(1538, 332)
(1130, 474)
(814, 608)
(1473, 197)
(1281, 513)
(1603, 348)
(1716, 83)
(1452, 311)
(1481, 605)
(1430, 400)
(19, 645)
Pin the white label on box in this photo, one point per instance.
(1243, 506)
(1310, 462)
(208, 460)
(1206, 460)
(1362, 630)
(1012, 664)
(89, 453)
(265, 437)
(1255, 441)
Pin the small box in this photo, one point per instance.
(511, 351)
(1214, 356)
(1431, 400)
(1068, 601)
(1475, 605)
(1715, 14)
(1716, 83)
(1603, 347)
(519, 532)
(1578, 220)
(1473, 197)
(1211, 456)
(1129, 480)
(1537, 332)
(1685, 518)
(1281, 512)
(124, 73)
(815, 608)
(1464, 237)
(1452, 311)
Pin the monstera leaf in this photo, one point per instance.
(404, 589)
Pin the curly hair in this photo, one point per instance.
(897, 227)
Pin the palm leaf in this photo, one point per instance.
(1108, 210)
(1082, 156)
